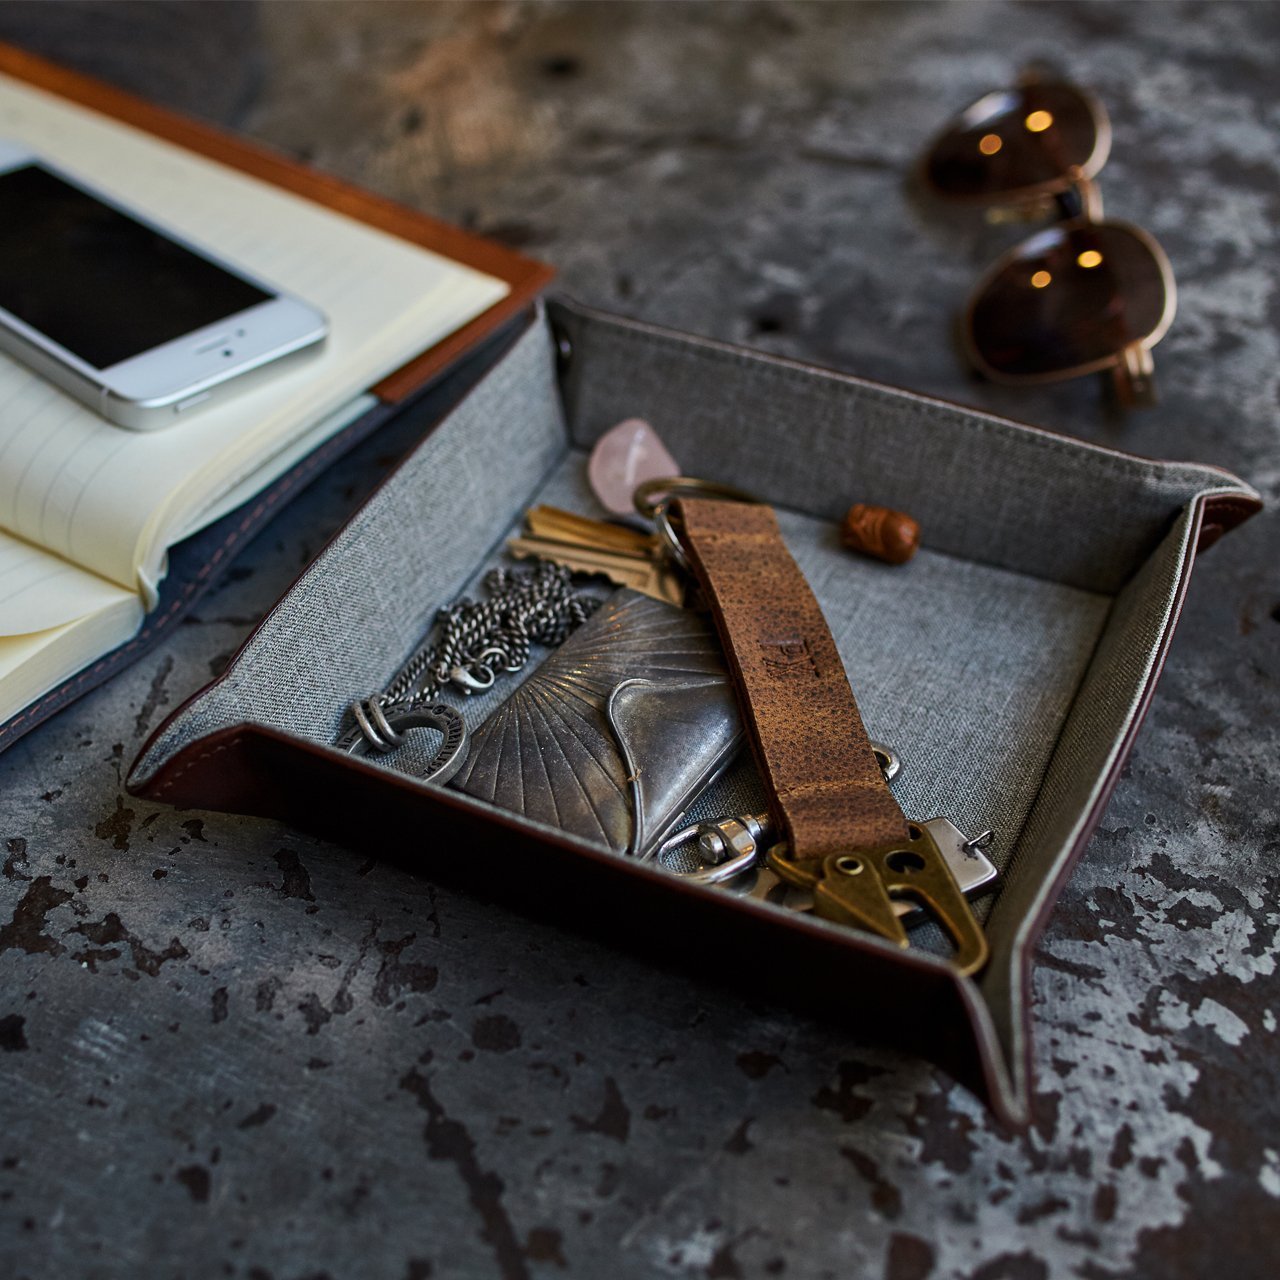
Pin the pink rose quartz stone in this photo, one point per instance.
(625, 456)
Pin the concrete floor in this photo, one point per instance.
(230, 1050)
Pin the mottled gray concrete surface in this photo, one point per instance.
(229, 1050)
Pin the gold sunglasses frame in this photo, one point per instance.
(1132, 368)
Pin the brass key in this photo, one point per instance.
(624, 556)
(567, 526)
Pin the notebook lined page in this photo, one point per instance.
(107, 498)
(285, 460)
(39, 591)
(32, 664)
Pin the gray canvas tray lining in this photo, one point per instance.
(1018, 645)
(1104, 709)
(968, 667)
(359, 610)
(983, 489)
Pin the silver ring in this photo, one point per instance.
(668, 535)
(379, 717)
(372, 725)
(439, 715)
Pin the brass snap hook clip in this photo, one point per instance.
(859, 888)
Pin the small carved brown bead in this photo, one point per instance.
(874, 531)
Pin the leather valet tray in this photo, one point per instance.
(1008, 664)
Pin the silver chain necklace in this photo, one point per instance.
(474, 642)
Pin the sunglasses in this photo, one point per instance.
(1088, 294)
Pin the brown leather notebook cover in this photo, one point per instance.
(526, 276)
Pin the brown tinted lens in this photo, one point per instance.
(1071, 296)
(1013, 141)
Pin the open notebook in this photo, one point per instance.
(88, 510)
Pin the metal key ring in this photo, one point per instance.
(439, 715)
(646, 501)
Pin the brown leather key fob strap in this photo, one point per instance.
(844, 836)
(805, 728)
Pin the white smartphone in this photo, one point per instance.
(135, 321)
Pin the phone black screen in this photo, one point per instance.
(97, 282)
